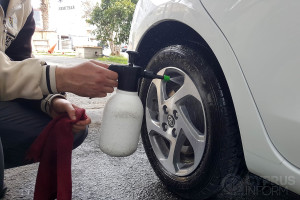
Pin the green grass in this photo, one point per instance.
(115, 59)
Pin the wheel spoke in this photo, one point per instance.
(173, 158)
(194, 136)
(160, 89)
(187, 89)
(153, 125)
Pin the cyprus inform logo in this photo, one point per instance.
(233, 184)
(252, 185)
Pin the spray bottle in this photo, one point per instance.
(123, 112)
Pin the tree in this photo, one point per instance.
(88, 6)
(45, 13)
(112, 19)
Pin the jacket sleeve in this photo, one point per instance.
(28, 79)
(44, 105)
(20, 48)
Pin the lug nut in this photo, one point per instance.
(174, 133)
(165, 108)
(175, 114)
(164, 126)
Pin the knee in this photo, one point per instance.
(80, 137)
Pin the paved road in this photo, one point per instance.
(97, 176)
(61, 60)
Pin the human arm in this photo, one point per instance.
(32, 78)
(91, 79)
(55, 105)
(20, 75)
(23, 79)
(20, 48)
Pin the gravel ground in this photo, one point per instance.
(96, 175)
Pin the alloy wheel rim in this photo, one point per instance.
(176, 122)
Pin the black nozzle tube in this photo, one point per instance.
(152, 75)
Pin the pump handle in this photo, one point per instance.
(132, 56)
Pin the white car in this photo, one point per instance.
(233, 102)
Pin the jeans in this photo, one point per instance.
(19, 127)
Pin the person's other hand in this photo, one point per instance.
(60, 106)
(89, 79)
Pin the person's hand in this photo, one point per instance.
(89, 79)
(60, 106)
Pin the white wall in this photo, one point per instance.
(65, 17)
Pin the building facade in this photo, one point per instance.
(67, 28)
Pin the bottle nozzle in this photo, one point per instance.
(150, 74)
(166, 78)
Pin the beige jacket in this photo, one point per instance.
(30, 78)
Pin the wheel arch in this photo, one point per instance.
(168, 33)
(173, 32)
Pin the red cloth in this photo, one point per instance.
(53, 149)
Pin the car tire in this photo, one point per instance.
(194, 160)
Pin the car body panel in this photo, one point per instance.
(266, 44)
(261, 156)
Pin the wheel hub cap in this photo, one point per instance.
(171, 120)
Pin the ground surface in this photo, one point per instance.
(96, 175)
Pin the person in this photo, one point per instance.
(22, 76)
(32, 92)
